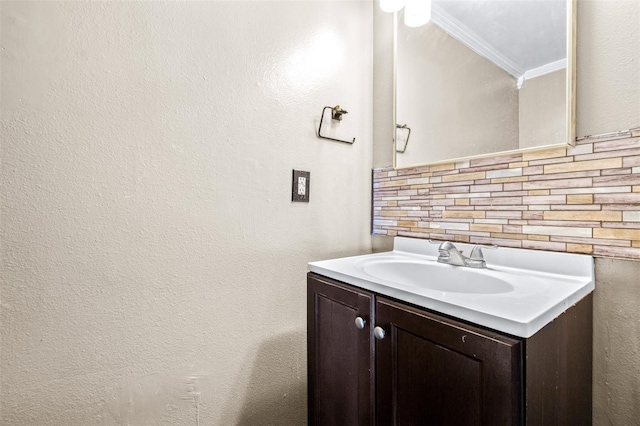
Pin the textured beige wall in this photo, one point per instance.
(608, 66)
(608, 99)
(153, 266)
(542, 110)
(616, 343)
(448, 92)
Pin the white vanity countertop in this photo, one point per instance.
(525, 289)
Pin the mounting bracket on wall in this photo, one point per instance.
(336, 114)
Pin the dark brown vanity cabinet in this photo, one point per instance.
(409, 366)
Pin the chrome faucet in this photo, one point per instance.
(449, 254)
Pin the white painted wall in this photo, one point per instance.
(153, 265)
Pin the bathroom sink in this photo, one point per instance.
(518, 293)
(435, 276)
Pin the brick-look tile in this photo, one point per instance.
(593, 190)
(538, 237)
(486, 188)
(502, 242)
(505, 214)
(551, 161)
(514, 186)
(392, 183)
(420, 180)
(611, 172)
(618, 234)
(504, 173)
(609, 163)
(584, 215)
(561, 183)
(470, 195)
(485, 227)
(501, 159)
(555, 230)
(580, 149)
(407, 223)
(620, 207)
(591, 241)
(463, 177)
(492, 221)
(565, 223)
(544, 199)
(580, 199)
(510, 179)
(470, 214)
(544, 245)
(544, 154)
(441, 167)
(512, 229)
(539, 192)
(631, 198)
(617, 180)
(508, 236)
(617, 144)
(571, 207)
(608, 154)
(541, 207)
(570, 175)
(449, 225)
(450, 190)
(631, 161)
(580, 248)
(585, 200)
(535, 170)
(393, 213)
(631, 253)
(494, 201)
(631, 216)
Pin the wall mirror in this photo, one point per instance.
(482, 77)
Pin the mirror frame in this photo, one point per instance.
(570, 95)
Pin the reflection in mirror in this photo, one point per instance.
(483, 77)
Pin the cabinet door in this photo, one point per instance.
(432, 370)
(340, 357)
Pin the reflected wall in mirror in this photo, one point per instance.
(483, 77)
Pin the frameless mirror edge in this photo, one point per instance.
(570, 97)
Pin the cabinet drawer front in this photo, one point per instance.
(435, 370)
(340, 358)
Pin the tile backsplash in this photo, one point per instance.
(582, 199)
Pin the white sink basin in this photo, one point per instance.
(518, 293)
(434, 276)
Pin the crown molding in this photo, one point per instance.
(545, 69)
(473, 41)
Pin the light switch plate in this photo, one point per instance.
(300, 186)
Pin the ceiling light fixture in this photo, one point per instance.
(416, 12)
(391, 5)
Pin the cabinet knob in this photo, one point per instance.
(360, 323)
(378, 333)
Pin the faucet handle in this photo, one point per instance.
(476, 252)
